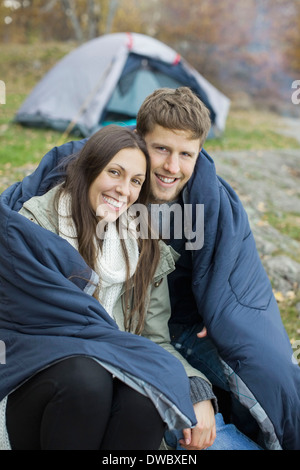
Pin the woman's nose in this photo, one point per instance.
(123, 189)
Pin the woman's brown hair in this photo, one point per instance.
(80, 174)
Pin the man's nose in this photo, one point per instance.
(172, 164)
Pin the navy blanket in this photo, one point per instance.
(46, 313)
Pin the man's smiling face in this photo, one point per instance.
(173, 155)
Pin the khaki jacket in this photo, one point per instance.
(41, 210)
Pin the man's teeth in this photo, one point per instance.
(113, 202)
(166, 180)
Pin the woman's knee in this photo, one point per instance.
(67, 402)
(82, 378)
(134, 405)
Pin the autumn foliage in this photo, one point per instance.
(251, 45)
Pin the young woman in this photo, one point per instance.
(91, 385)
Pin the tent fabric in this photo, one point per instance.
(89, 85)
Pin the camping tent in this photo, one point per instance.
(106, 80)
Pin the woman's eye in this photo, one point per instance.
(137, 182)
(114, 172)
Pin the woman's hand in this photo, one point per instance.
(202, 333)
(204, 433)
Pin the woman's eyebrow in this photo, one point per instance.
(124, 169)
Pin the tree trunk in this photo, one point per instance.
(68, 6)
(113, 6)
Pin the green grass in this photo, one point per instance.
(252, 130)
(20, 145)
(287, 223)
(244, 131)
(289, 311)
(22, 66)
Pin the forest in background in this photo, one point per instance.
(248, 49)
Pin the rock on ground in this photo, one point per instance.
(268, 182)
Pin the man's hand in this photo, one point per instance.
(202, 333)
(204, 433)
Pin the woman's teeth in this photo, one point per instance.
(113, 202)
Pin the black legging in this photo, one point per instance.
(76, 404)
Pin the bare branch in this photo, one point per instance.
(113, 6)
(69, 9)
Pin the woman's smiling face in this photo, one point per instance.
(118, 186)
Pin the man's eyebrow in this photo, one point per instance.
(159, 144)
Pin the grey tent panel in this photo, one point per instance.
(87, 86)
(143, 83)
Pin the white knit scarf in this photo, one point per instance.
(110, 266)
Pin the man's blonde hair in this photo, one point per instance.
(176, 109)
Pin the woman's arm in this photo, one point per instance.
(156, 324)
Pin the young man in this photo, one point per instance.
(219, 285)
